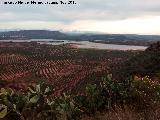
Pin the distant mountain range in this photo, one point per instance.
(95, 37)
(32, 34)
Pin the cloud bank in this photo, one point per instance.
(110, 16)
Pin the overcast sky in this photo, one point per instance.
(108, 16)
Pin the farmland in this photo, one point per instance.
(24, 64)
(62, 82)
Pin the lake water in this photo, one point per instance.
(83, 44)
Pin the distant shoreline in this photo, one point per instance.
(84, 44)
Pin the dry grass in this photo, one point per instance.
(126, 114)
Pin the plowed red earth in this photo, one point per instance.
(24, 64)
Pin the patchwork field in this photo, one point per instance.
(66, 68)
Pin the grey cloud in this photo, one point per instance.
(84, 10)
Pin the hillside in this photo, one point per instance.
(146, 63)
(62, 83)
(23, 64)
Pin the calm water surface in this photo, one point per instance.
(83, 44)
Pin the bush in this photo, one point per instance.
(40, 103)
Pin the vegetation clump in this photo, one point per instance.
(39, 102)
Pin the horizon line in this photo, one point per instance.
(78, 32)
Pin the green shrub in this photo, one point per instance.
(68, 107)
(40, 103)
